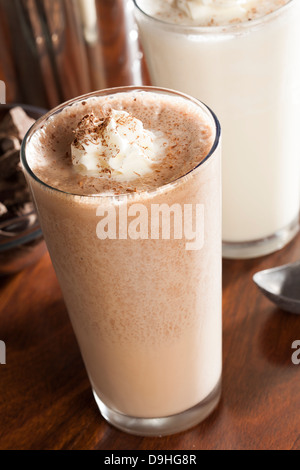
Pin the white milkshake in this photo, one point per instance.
(242, 59)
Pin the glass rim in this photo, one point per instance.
(108, 91)
(221, 29)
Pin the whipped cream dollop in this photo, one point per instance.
(116, 145)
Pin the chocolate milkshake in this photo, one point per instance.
(127, 185)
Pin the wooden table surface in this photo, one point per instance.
(45, 396)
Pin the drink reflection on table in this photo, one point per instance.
(54, 50)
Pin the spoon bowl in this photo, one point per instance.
(282, 286)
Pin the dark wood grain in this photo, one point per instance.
(46, 401)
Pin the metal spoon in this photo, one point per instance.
(282, 286)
